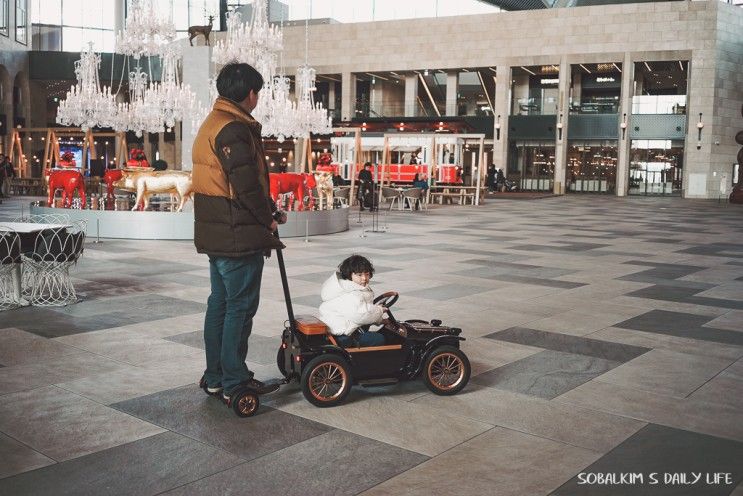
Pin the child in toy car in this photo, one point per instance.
(348, 308)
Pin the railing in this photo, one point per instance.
(416, 108)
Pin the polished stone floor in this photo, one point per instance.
(605, 335)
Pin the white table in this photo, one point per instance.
(27, 232)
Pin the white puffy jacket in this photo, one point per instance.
(347, 305)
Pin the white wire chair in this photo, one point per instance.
(10, 264)
(391, 194)
(413, 196)
(341, 195)
(47, 268)
(45, 218)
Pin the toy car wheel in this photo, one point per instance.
(326, 380)
(446, 371)
(245, 403)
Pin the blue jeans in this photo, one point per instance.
(236, 285)
(366, 339)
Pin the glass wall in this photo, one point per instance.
(656, 167)
(532, 165)
(534, 90)
(660, 87)
(592, 166)
(21, 21)
(69, 25)
(595, 88)
(4, 16)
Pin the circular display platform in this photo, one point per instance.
(125, 224)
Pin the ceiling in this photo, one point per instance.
(547, 4)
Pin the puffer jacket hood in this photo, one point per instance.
(346, 305)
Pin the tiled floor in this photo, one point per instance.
(605, 337)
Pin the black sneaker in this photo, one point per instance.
(256, 385)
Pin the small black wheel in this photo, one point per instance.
(446, 371)
(280, 362)
(245, 403)
(326, 380)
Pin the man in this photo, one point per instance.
(6, 173)
(366, 187)
(235, 221)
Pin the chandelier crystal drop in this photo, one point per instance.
(86, 104)
(147, 31)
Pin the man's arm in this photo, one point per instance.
(236, 152)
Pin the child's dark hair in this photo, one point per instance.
(357, 264)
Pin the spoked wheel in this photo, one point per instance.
(447, 371)
(326, 380)
(245, 403)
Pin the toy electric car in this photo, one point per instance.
(326, 371)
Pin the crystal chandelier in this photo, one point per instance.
(175, 100)
(142, 112)
(86, 104)
(312, 117)
(146, 32)
(257, 43)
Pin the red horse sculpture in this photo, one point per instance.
(68, 181)
(288, 182)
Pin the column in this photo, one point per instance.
(196, 73)
(119, 16)
(500, 121)
(452, 81)
(297, 163)
(411, 95)
(561, 128)
(625, 109)
(348, 96)
(331, 98)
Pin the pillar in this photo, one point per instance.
(348, 96)
(561, 134)
(501, 111)
(452, 82)
(625, 110)
(411, 95)
(196, 73)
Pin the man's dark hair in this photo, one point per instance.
(367, 164)
(236, 80)
(357, 264)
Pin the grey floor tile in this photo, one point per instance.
(19, 347)
(667, 372)
(188, 411)
(261, 349)
(681, 325)
(662, 450)
(143, 467)
(63, 425)
(447, 292)
(500, 461)
(547, 374)
(570, 344)
(327, 464)
(18, 458)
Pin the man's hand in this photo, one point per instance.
(282, 218)
(274, 226)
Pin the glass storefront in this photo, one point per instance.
(532, 165)
(656, 167)
(595, 88)
(534, 90)
(592, 166)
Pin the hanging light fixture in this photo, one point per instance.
(146, 32)
(87, 105)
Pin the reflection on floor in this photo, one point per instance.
(605, 337)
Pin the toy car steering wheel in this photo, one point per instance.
(387, 300)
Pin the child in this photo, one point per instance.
(347, 303)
